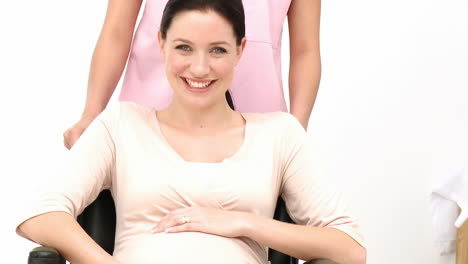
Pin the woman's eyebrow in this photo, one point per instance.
(212, 43)
(183, 40)
(220, 43)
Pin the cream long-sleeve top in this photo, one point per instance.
(124, 150)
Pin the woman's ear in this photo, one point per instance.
(240, 49)
(161, 44)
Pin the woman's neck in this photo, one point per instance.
(214, 117)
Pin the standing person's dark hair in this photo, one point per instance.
(231, 10)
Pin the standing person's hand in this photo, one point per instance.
(71, 135)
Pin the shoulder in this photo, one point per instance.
(124, 112)
(121, 109)
(276, 122)
(134, 108)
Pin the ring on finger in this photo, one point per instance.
(185, 219)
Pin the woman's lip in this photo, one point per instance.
(197, 80)
(198, 90)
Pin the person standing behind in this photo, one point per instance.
(257, 84)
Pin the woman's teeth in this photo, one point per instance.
(198, 84)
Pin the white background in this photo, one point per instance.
(390, 118)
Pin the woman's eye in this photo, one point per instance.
(219, 50)
(183, 47)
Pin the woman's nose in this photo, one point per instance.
(200, 66)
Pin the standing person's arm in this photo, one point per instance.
(107, 64)
(305, 64)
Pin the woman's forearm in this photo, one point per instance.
(305, 242)
(60, 230)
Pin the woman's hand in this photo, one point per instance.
(71, 135)
(206, 220)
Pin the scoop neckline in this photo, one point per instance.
(174, 155)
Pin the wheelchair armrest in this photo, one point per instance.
(320, 261)
(45, 255)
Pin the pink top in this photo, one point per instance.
(124, 150)
(257, 84)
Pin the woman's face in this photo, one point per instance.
(200, 54)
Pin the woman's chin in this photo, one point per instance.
(190, 101)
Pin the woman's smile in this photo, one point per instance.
(198, 86)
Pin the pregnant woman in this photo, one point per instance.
(196, 181)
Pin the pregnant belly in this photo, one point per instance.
(188, 247)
